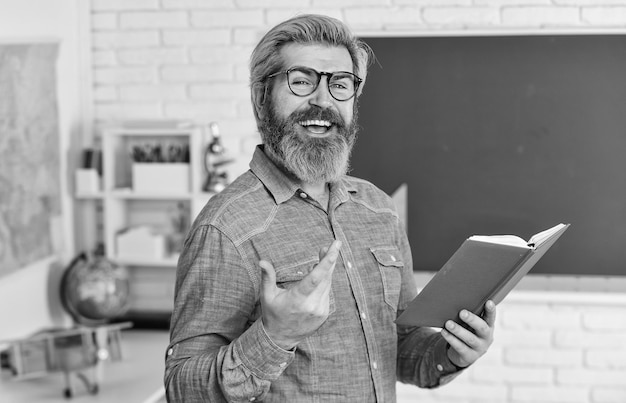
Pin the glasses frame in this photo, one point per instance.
(320, 74)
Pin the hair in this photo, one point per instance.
(306, 29)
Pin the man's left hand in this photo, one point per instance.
(468, 346)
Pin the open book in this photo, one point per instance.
(483, 268)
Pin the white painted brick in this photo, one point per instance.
(242, 73)
(500, 3)
(527, 338)
(105, 93)
(277, 15)
(104, 21)
(202, 111)
(513, 375)
(244, 108)
(435, 3)
(153, 92)
(247, 36)
(218, 18)
(592, 377)
(609, 394)
(272, 4)
(188, 74)
(460, 389)
(541, 16)
(216, 91)
(606, 319)
(101, 58)
(543, 357)
(614, 358)
(581, 339)
(462, 16)
(605, 16)
(197, 37)
(376, 18)
(538, 317)
(116, 5)
(598, 3)
(132, 39)
(202, 4)
(153, 56)
(549, 394)
(120, 111)
(123, 75)
(350, 3)
(221, 54)
(155, 19)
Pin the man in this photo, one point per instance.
(291, 278)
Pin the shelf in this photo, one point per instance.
(129, 194)
(166, 262)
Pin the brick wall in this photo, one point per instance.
(187, 59)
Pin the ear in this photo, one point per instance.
(259, 93)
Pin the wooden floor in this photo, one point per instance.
(137, 378)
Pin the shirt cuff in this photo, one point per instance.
(260, 354)
(447, 369)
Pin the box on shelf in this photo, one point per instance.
(140, 243)
(156, 177)
(87, 181)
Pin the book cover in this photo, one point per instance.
(483, 268)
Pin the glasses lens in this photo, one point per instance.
(303, 81)
(342, 85)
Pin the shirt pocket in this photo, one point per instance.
(288, 277)
(390, 265)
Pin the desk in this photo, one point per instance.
(138, 378)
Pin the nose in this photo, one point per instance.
(321, 96)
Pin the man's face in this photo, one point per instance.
(310, 136)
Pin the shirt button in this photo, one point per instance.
(393, 258)
(374, 365)
(170, 351)
(363, 315)
(252, 399)
(349, 265)
(303, 195)
(439, 367)
(282, 364)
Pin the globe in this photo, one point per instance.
(95, 290)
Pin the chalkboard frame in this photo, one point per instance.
(386, 162)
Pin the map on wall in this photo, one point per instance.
(29, 153)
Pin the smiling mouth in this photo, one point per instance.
(318, 127)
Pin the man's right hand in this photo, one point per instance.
(290, 315)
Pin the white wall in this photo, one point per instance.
(27, 300)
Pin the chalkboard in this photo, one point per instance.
(502, 135)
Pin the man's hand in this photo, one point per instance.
(290, 315)
(466, 346)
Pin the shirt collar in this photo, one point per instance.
(281, 187)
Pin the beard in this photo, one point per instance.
(306, 158)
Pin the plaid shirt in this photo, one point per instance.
(219, 350)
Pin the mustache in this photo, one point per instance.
(316, 113)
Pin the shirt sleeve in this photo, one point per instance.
(219, 350)
(422, 358)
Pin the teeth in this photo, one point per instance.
(315, 123)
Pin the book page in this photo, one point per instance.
(540, 237)
(501, 240)
(514, 240)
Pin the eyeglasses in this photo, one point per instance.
(303, 81)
